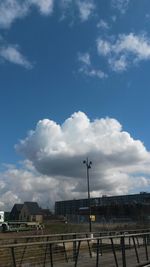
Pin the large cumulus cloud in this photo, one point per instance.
(53, 167)
(119, 162)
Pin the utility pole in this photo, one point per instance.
(88, 166)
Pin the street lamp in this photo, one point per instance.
(88, 166)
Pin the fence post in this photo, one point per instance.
(45, 252)
(123, 251)
(13, 256)
(77, 254)
(50, 254)
(114, 252)
(24, 252)
(145, 243)
(97, 256)
(136, 252)
(101, 245)
(74, 247)
(66, 257)
(89, 247)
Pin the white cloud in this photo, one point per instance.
(82, 9)
(54, 168)
(119, 64)
(137, 45)
(45, 6)
(77, 136)
(114, 18)
(57, 152)
(10, 10)
(121, 5)
(65, 7)
(126, 50)
(12, 54)
(102, 24)
(77, 9)
(86, 8)
(94, 73)
(84, 58)
(103, 47)
(87, 69)
(25, 183)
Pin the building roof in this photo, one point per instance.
(33, 208)
(17, 207)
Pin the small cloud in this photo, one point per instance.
(120, 64)
(103, 47)
(114, 18)
(126, 50)
(79, 9)
(87, 68)
(64, 6)
(121, 5)
(45, 6)
(102, 24)
(12, 54)
(147, 16)
(10, 10)
(139, 45)
(86, 9)
(94, 73)
(84, 58)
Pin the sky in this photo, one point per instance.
(74, 83)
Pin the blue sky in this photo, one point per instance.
(74, 63)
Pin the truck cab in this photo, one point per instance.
(2, 218)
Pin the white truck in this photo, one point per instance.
(16, 226)
(3, 224)
(2, 217)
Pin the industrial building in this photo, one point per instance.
(107, 208)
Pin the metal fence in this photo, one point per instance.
(113, 250)
(38, 236)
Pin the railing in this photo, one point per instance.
(39, 236)
(126, 250)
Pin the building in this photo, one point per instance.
(31, 212)
(15, 212)
(127, 207)
(47, 214)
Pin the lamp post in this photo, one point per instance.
(88, 166)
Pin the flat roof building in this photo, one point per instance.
(122, 205)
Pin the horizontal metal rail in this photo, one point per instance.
(65, 236)
(113, 250)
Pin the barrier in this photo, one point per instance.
(110, 250)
